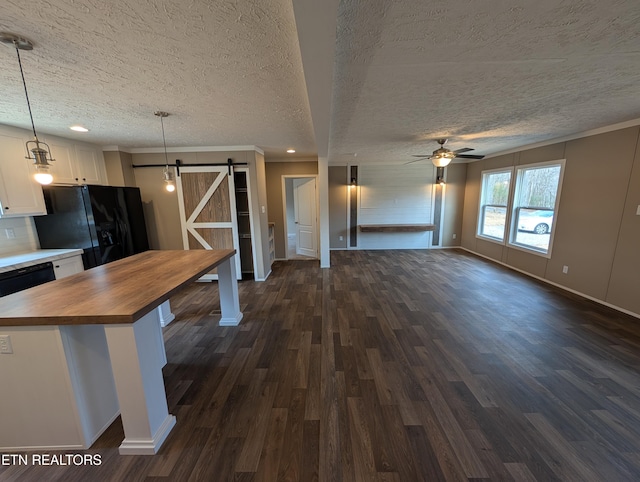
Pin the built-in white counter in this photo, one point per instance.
(29, 258)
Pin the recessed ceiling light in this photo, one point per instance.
(79, 129)
(291, 151)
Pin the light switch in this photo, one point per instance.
(638, 210)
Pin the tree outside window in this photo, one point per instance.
(493, 205)
(534, 206)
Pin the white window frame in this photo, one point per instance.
(507, 221)
(513, 229)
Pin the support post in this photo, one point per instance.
(137, 371)
(228, 287)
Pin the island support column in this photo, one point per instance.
(137, 371)
(228, 289)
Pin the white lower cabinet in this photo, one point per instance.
(68, 266)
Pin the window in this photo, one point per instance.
(534, 205)
(494, 203)
(526, 216)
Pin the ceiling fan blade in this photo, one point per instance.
(422, 155)
(469, 156)
(464, 149)
(417, 160)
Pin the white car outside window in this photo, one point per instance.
(538, 221)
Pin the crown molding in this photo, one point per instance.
(160, 150)
(571, 137)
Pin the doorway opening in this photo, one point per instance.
(300, 199)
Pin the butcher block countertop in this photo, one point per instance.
(119, 292)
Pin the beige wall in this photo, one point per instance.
(597, 229)
(161, 212)
(456, 177)
(624, 285)
(338, 207)
(274, 172)
(119, 168)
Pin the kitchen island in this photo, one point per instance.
(89, 346)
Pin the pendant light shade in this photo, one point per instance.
(169, 182)
(42, 174)
(40, 151)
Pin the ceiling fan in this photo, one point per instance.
(442, 156)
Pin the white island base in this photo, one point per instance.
(59, 391)
(66, 383)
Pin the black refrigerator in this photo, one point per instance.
(106, 222)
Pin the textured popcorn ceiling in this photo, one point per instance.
(228, 72)
(488, 74)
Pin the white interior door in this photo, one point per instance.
(304, 195)
(208, 211)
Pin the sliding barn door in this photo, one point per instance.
(206, 197)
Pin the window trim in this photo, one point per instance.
(507, 221)
(512, 227)
(510, 231)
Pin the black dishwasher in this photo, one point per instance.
(23, 278)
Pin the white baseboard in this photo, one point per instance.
(265, 278)
(150, 446)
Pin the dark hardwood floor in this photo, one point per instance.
(391, 366)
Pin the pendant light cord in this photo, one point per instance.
(24, 83)
(164, 142)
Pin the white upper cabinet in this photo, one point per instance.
(91, 166)
(75, 164)
(20, 194)
(62, 168)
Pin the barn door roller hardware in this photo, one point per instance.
(178, 164)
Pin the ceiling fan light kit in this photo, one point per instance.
(442, 161)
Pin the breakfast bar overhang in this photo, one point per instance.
(90, 346)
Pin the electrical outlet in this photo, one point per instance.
(341, 238)
(455, 235)
(565, 269)
(5, 345)
(10, 233)
(638, 210)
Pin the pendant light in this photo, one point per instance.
(39, 150)
(169, 183)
